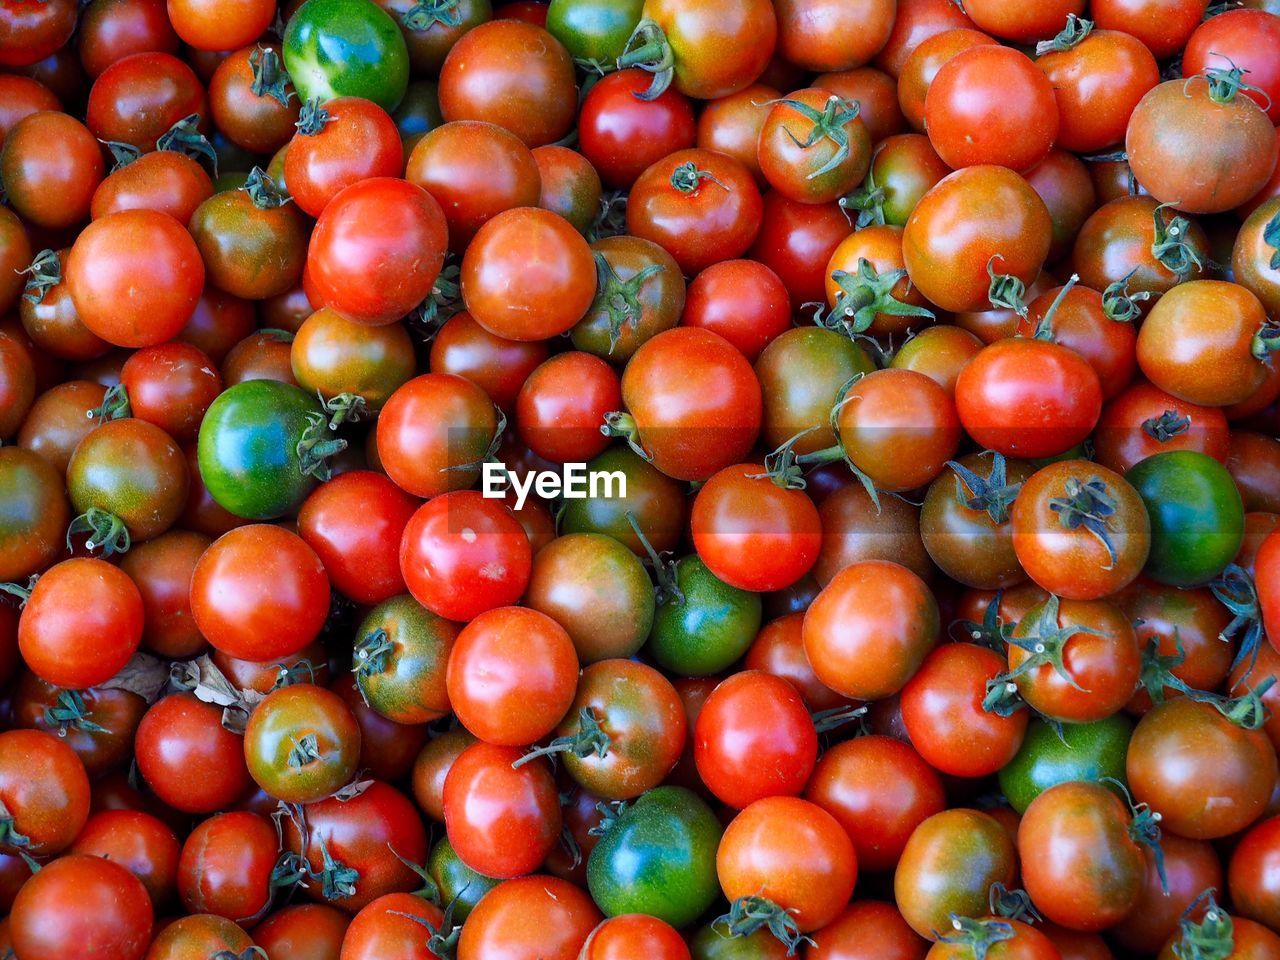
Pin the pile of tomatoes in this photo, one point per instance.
(923, 357)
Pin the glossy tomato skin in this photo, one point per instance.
(497, 365)
(249, 251)
(659, 298)
(180, 740)
(138, 98)
(34, 32)
(102, 724)
(530, 918)
(870, 628)
(203, 932)
(570, 185)
(462, 555)
(164, 181)
(622, 135)
(226, 866)
(337, 48)
(1129, 429)
(308, 931)
(710, 629)
(953, 274)
(141, 843)
(171, 385)
(800, 172)
(1190, 868)
(659, 858)
(82, 904)
(1206, 776)
(796, 241)
(81, 624)
(743, 301)
(501, 820)
(287, 717)
(1250, 875)
(1086, 751)
(563, 402)
(698, 219)
(45, 793)
(34, 520)
(948, 867)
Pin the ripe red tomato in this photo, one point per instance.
(226, 866)
(44, 791)
(814, 146)
(80, 904)
(743, 301)
(530, 918)
(1246, 39)
(562, 404)
(622, 134)
(188, 758)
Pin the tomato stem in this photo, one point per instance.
(1006, 292)
(648, 49)
(864, 295)
(827, 124)
(1011, 904)
(992, 494)
(1044, 329)
(269, 76)
(751, 913)
(263, 191)
(686, 178)
(978, 935)
(619, 423)
(1172, 246)
(312, 118)
(827, 720)
(619, 298)
(425, 14)
(107, 532)
(590, 738)
(1213, 938)
(1072, 35)
(114, 406)
(664, 571)
(45, 272)
(1119, 304)
(184, 137)
(1144, 828)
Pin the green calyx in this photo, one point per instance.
(1006, 292)
(45, 273)
(1011, 904)
(782, 466)
(442, 940)
(305, 751)
(425, 14)
(611, 812)
(647, 48)
(978, 935)
(107, 533)
(1144, 828)
(862, 296)
(618, 298)
(1266, 341)
(992, 633)
(443, 302)
(1044, 639)
(1235, 590)
(122, 154)
(312, 118)
(992, 494)
(751, 913)
(1072, 35)
(184, 137)
(1119, 304)
(827, 124)
(69, 712)
(344, 408)
(1224, 85)
(1089, 506)
(590, 739)
(370, 658)
(1246, 711)
(337, 879)
(249, 953)
(114, 406)
(619, 423)
(269, 76)
(263, 191)
(1172, 246)
(315, 447)
(868, 200)
(9, 835)
(1213, 938)
(1165, 427)
(687, 178)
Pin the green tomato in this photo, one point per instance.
(1197, 517)
(659, 858)
(346, 48)
(401, 652)
(253, 452)
(458, 883)
(707, 630)
(713, 943)
(594, 29)
(1085, 751)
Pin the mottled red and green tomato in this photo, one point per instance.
(301, 743)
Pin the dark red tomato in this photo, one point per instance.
(1163, 25)
(431, 767)
(44, 791)
(15, 257)
(502, 820)
(1251, 875)
(562, 404)
(920, 69)
(632, 935)
(732, 125)
(743, 301)
(475, 170)
(264, 355)
(188, 759)
(50, 166)
(700, 206)
(81, 905)
(345, 140)
(570, 185)
(830, 35)
(753, 739)
(98, 724)
(252, 99)
(944, 717)
(1080, 860)
(1244, 39)
(395, 925)
(1062, 181)
(916, 21)
(1190, 867)
(869, 629)
(512, 675)
(792, 853)
(226, 866)
(377, 249)
(58, 421)
(814, 146)
(219, 322)
(1119, 243)
(1028, 398)
(434, 432)
(359, 848)
(796, 241)
(114, 29)
(171, 385)
(528, 275)
(867, 930)
(81, 624)
(354, 523)
(17, 385)
(497, 365)
(532, 918)
(141, 843)
(1055, 544)
(753, 533)
(33, 31)
(19, 98)
(880, 790)
(694, 403)
(387, 748)
(135, 277)
(1226, 160)
(138, 98)
(856, 528)
(1204, 775)
(1080, 322)
(259, 593)
(949, 251)
(622, 134)
(307, 931)
(991, 105)
(512, 74)
(462, 554)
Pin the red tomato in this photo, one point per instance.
(622, 134)
(742, 300)
(81, 905)
(634, 935)
(188, 758)
(562, 404)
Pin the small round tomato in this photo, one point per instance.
(50, 165)
(1144, 248)
(396, 924)
(641, 293)
(796, 241)
(203, 932)
(98, 724)
(530, 918)
(497, 365)
(870, 628)
(502, 817)
(562, 404)
(139, 98)
(528, 275)
(813, 146)
(732, 124)
(252, 241)
(35, 512)
(171, 385)
(634, 934)
(462, 554)
(44, 792)
(188, 758)
(259, 593)
(252, 100)
(570, 185)
(99, 906)
(401, 654)
(226, 866)
(743, 301)
(1144, 420)
(306, 931)
(1072, 751)
(622, 133)
(33, 33)
(143, 844)
(301, 743)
